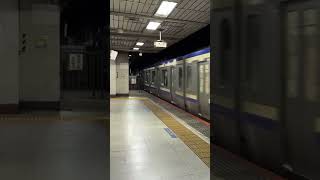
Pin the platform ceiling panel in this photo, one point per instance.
(129, 19)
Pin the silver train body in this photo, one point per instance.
(183, 81)
(266, 84)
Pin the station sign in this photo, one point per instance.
(75, 62)
(160, 44)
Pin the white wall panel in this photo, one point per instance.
(9, 47)
(122, 73)
(113, 78)
(40, 63)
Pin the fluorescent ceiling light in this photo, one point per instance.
(153, 25)
(140, 43)
(136, 49)
(165, 8)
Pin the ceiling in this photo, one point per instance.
(132, 16)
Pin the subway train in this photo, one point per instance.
(266, 84)
(183, 81)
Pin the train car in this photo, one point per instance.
(197, 82)
(146, 77)
(184, 81)
(153, 88)
(178, 90)
(266, 84)
(165, 78)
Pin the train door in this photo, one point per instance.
(302, 78)
(204, 89)
(158, 81)
(172, 78)
(179, 86)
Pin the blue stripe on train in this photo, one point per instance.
(220, 110)
(259, 121)
(162, 91)
(179, 96)
(167, 61)
(197, 53)
(192, 100)
(246, 118)
(188, 99)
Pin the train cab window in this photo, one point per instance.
(180, 77)
(164, 77)
(225, 44)
(189, 76)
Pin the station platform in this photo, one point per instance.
(50, 145)
(149, 141)
(147, 144)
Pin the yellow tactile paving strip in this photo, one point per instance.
(194, 142)
(129, 98)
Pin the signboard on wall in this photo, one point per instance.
(41, 42)
(75, 62)
(133, 79)
(113, 55)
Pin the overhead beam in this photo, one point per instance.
(130, 50)
(156, 18)
(143, 35)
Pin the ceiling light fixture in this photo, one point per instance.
(165, 8)
(140, 44)
(153, 25)
(136, 49)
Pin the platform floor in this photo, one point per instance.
(143, 148)
(225, 165)
(48, 149)
(188, 119)
(55, 145)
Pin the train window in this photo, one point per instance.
(189, 76)
(173, 78)
(253, 44)
(153, 76)
(165, 77)
(253, 31)
(292, 54)
(145, 77)
(180, 77)
(225, 44)
(148, 76)
(310, 31)
(201, 78)
(207, 78)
